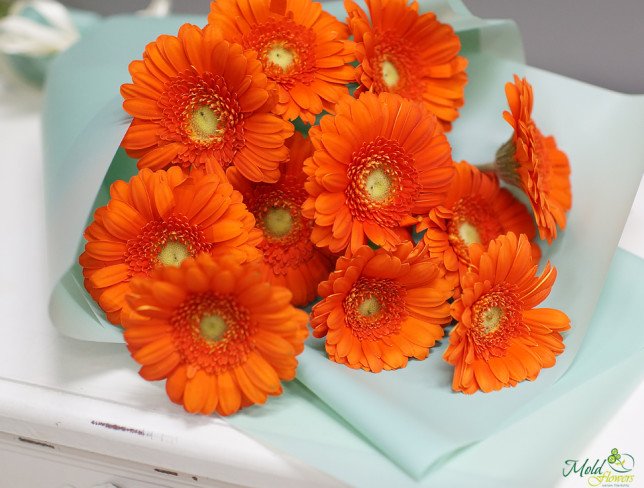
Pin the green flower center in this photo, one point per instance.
(390, 76)
(378, 185)
(491, 319)
(173, 254)
(204, 123)
(212, 327)
(280, 56)
(370, 307)
(468, 233)
(278, 222)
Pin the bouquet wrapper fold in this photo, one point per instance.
(411, 416)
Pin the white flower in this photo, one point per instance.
(20, 35)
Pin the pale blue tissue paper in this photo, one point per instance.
(527, 450)
(413, 436)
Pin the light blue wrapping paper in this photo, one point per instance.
(527, 449)
(411, 416)
(413, 436)
(83, 124)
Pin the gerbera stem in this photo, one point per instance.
(489, 167)
(506, 164)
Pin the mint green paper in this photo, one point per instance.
(411, 416)
(83, 124)
(412, 435)
(526, 450)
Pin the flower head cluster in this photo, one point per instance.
(234, 219)
(160, 218)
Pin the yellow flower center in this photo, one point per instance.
(173, 254)
(491, 319)
(212, 327)
(204, 123)
(390, 75)
(374, 308)
(279, 55)
(278, 221)
(468, 233)
(370, 307)
(378, 185)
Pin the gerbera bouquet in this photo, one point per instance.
(285, 155)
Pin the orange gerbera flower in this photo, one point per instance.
(380, 160)
(413, 55)
(380, 308)
(162, 218)
(198, 100)
(476, 210)
(500, 338)
(290, 257)
(302, 48)
(533, 162)
(220, 335)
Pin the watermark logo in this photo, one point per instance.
(615, 470)
(619, 463)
